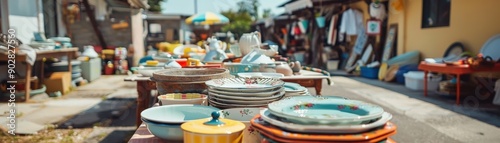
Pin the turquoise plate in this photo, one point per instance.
(325, 110)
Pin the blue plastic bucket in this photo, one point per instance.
(320, 21)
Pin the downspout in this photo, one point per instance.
(4, 11)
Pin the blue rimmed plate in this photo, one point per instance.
(327, 111)
(332, 129)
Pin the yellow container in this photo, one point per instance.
(213, 130)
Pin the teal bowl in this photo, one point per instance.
(169, 132)
(178, 113)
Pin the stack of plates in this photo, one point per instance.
(294, 89)
(244, 92)
(323, 119)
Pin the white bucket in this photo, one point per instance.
(415, 80)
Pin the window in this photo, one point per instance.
(436, 13)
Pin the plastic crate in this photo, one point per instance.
(415, 80)
(371, 73)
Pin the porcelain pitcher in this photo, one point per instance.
(248, 41)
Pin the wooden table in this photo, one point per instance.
(145, 85)
(40, 55)
(453, 69)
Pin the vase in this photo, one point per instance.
(89, 51)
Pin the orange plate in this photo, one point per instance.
(263, 126)
(283, 140)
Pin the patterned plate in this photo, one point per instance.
(248, 98)
(332, 129)
(264, 127)
(245, 84)
(261, 94)
(322, 110)
(246, 102)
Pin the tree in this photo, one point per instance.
(155, 5)
(266, 13)
(240, 22)
(249, 6)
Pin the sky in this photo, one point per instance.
(187, 6)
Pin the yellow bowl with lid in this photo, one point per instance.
(213, 130)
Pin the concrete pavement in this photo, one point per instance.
(418, 121)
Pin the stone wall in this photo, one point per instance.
(83, 34)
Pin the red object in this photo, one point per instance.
(182, 62)
(453, 69)
(109, 69)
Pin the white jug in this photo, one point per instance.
(248, 41)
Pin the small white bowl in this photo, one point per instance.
(183, 98)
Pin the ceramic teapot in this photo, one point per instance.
(285, 68)
(215, 51)
(248, 41)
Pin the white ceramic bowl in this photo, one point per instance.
(168, 132)
(183, 98)
(148, 71)
(244, 115)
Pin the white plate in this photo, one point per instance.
(246, 102)
(243, 97)
(218, 104)
(331, 129)
(294, 87)
(261, 94)
(245, 84)
(261, 75)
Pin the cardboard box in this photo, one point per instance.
(58, 81)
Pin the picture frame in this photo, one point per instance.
(373, 27)
(390, 42)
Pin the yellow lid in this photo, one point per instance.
(152, 63)
(213, 125)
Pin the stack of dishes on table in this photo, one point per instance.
(244, 92)
(294, 89)
(316, 119)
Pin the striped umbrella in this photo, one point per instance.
(207, 18)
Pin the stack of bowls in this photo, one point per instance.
(165, 121)
(244, 92)
(323, 119)
(294, 89)
(186, 80)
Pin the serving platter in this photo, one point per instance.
(313, 110)
(332, 129)
(381, 132)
